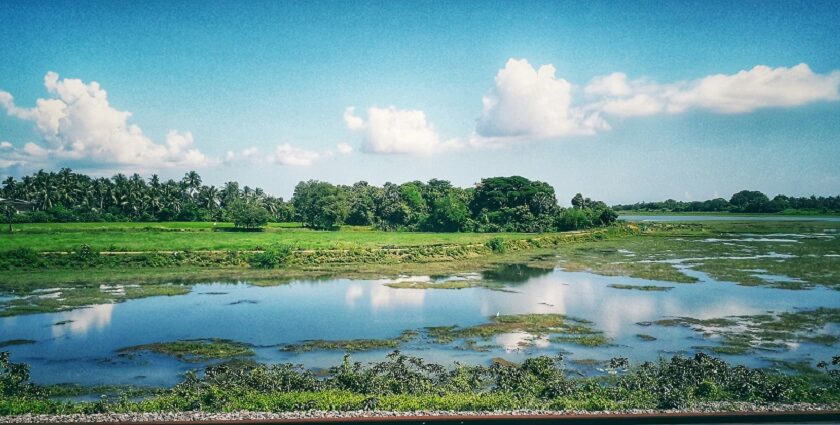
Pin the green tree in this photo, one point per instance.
(449, 214)
(320, 205)
(248, 216)
(751, 201)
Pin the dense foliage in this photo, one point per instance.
(498, 204)
(407, 383)
(745, 201)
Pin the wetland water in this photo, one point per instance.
(83, 349)
(733, 217)
(773, 324)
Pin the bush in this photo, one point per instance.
(271, 258)
(14, 379)
(496, 245)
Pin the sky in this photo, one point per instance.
(622, 101)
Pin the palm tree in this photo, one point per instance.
(192, 181)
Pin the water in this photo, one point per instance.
(656, 217)
(84, 350)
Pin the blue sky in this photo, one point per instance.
(709, 97)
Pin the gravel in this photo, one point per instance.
(318, 414)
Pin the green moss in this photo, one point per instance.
(194, 350)
(351, 345)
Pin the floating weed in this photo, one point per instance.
(563, 329)
(12, 342)
(194, 350)
(763, 332)
(351, 345)
(641, 287)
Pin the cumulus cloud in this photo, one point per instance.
(742, 92)
(528, 103)
(397, 131)
(759, 87)
(77, 122)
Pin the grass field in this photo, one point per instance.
(177, 236)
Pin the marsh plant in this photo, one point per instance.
(405, 383)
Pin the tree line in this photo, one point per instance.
(497, 204)
(745, 201)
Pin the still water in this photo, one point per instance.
(83, 350)
(668, 218)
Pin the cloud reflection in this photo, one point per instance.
(80, 321)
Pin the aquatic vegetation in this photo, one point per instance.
(764, 332)
(194, 350)
(12, 342)
(641, 287)
(728, 251)
(645, 337)
(71, 298)
(588, 340)
(562, 328)
(351, 345)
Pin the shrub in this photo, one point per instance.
(496, 245)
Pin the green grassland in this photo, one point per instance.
(187, 236)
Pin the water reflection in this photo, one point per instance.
(514, 273)
(79, 322)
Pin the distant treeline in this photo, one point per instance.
(745, 201)
(498, 204)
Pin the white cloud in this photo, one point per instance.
(5, 145)
(742, 92)
(287, 154)
(397, 131)
(79, 123)
(353, 122)
(760, 87)
(614, 84)
(637, 105)
(344, 148)
(528, 103)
